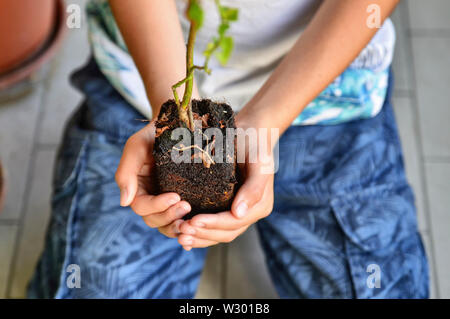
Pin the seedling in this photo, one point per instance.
(222, 41)
(208, 182)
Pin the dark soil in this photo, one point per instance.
(209, 187)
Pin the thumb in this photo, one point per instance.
(128, 190)
(134, 157)
(250, 193)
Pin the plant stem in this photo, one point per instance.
(185, 108)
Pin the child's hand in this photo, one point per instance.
(133, 177)
(253, 201)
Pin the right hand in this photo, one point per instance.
(136, 167)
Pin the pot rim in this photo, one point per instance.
(31, 65)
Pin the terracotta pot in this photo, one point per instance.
(2, 187)
(34, 41)
(25, 25)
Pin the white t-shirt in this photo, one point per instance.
(264, 33)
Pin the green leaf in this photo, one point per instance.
(229, 14)
(195, 13)
(226, 44)
(223, 28)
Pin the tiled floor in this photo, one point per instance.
(30, 130)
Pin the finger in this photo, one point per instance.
(172, 230)
(251, 192)
(150, 204)
(136, 153)
(228, 221)
(224, 220)
(192, 242)
(217, 235)
(166, 217)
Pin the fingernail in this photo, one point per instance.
(198, 224)
(173, 200)
(190, 231)
(187, 242)
(241, 210)
(176, 228)
(123, 197)
(187, 248)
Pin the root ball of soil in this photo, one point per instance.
(208, 186)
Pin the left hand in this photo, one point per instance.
(253, 201)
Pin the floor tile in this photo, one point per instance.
(429, 250)
(438, 181)
(432, 14)
(18, 121)
(432, 65)
(402, 61)
(34, 225)
(211, 281)
(406, 122)
(247, 274)
(61, 98)
(7, 238)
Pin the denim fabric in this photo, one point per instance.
(342, 205)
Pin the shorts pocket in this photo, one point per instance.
(375, 217)
(383, 248)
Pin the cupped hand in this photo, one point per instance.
(253, 201)
(134, 178)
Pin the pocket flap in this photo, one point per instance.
(375, 217)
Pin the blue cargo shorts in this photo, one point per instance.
(343, 224)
